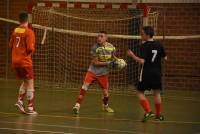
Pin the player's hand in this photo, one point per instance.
(130, 53)
(112, 64)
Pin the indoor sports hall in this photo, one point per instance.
(66, 30)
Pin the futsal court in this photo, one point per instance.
(66, 30)
(181, 110)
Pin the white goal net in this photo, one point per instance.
(65, 37)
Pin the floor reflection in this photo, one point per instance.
(25, 123)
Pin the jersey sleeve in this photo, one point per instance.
(30, 41)
(143, 51)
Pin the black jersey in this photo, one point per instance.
(150, 78)
(152, 52)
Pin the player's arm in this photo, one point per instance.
(165, 58)
(136, 58)
(114, 57)
(30, 41)
(96, 62)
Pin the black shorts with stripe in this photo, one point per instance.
(150, 80)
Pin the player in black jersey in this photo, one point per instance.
(152, 53)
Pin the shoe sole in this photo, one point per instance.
(20, 108)
(32, 113)
(158, 119)
(109, 111)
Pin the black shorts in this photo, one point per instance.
(150, 81)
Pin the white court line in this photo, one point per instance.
(32, 130)
(76, 127)
(71, 117)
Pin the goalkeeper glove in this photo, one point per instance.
(112, 64)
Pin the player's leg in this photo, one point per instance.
(144, 102)
(30, 94)
(80, 97)
(27, 75)
(157, 87)
(21, 96)
(104, 83)
(158, 105)
(22, 90)
(89, 78)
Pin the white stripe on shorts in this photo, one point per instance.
(141, 72)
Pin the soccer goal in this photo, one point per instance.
(66, 32)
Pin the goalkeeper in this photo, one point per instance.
(103, 58)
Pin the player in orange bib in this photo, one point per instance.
(22, 45)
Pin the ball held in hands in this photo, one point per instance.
(117, 64)
(121, 63)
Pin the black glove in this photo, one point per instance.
(112, 64)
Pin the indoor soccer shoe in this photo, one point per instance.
(20, 107)
(106, 108)
(76, 109)
(159, 118)
(148, 116)
(32, 112)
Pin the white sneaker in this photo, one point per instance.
(20, 107)
(76, 108)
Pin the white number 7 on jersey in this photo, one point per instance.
(154, 55)
(17, 41)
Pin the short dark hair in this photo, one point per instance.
(104, 32)
(148, 30)
(23, 17)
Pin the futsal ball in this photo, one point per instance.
(120, 63)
